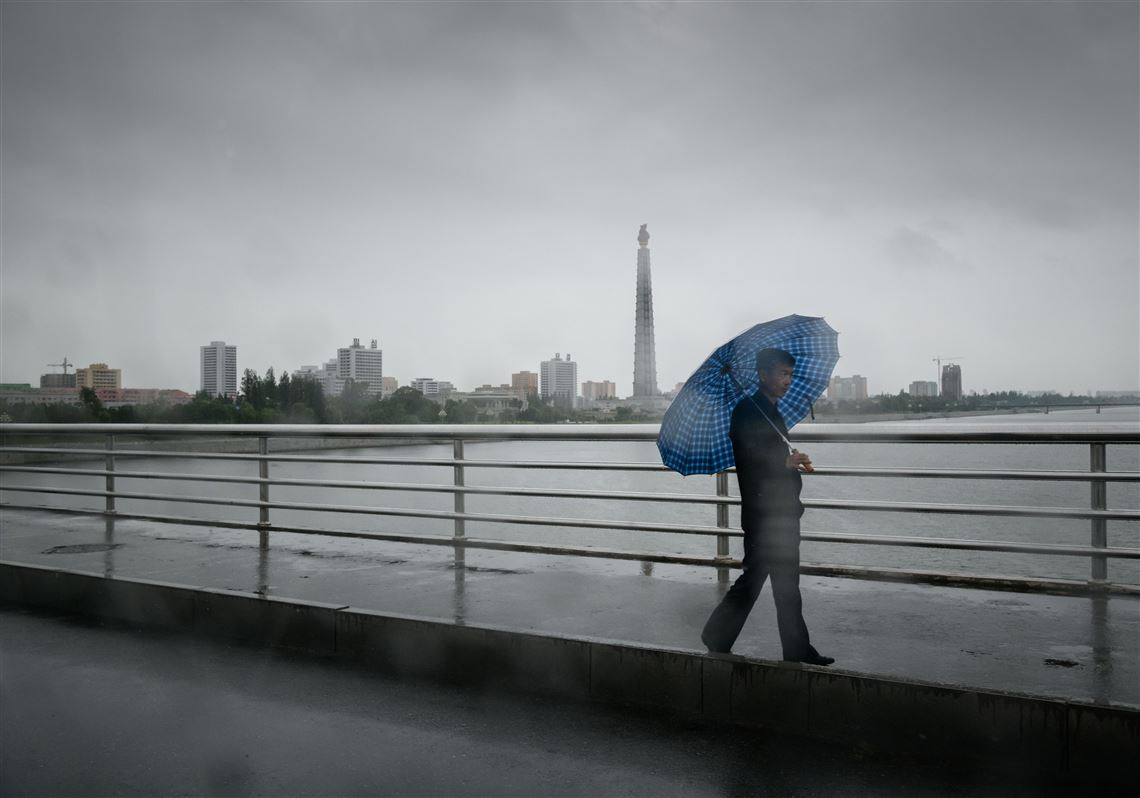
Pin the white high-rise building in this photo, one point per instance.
(219, 369)
(558, 380)
(359, 364)
(433, 388)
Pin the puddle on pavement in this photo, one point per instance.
(83, 548)
(482, 569)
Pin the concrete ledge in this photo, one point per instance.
(476, 656)
(137, 601)
(631, 674)
(294, 624)
(301, 625)
(938, 723)
(1097, 735)
(922, 720)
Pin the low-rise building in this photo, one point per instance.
(489, 388)
(326, 375)
(492, 402)
(58, 381)
(26, 394)
(923, 388)
(593, 391)
(98, 375)
(433, 388)
(109, 397)
(121, 397)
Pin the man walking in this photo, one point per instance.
(770, 482)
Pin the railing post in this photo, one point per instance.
(263, 491)
(460, 504)
(1098, 462)
(722, 522)
(110, 463)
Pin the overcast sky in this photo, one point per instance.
(465, 182)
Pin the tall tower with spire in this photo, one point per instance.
(644, 349)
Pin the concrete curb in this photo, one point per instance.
(938, 723)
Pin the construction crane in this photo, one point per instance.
(938, 359)
(64, 365)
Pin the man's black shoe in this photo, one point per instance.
(816, 659)
(714, 649)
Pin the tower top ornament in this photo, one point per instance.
(643, 236)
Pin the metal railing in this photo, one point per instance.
(1095, 436)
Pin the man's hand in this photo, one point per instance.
(797, 460)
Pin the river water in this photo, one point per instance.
(985, 456)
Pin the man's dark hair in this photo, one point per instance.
(767, 359)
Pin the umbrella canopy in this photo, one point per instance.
(694, 433)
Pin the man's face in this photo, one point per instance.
(775, 381)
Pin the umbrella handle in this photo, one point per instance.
(807, 467)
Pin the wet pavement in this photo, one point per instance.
(1059, 646)
(101, 711)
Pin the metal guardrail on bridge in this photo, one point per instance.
(1095, 436)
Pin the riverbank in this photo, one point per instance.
(863, 418)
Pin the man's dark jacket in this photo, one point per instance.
(769, 490)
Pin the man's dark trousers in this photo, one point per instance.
(770, 511)
(771, 551)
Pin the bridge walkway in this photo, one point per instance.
(1065, 647)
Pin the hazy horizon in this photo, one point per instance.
(465, 183)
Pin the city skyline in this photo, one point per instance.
(914, 388)
(321, 374)
(929, 177)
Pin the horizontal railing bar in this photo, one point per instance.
(296, 458)
(993, 510)
(967, 544)
(966, 473)
(818, 537)
(412, 487)
(582, 523)
(1022, 584)
(398, 537)
(900, 432)
(926, 473)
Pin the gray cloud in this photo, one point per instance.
(913, 249)
(465, 181)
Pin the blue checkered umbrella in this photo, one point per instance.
(694, 433)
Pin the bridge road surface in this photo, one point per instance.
(89, 710)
